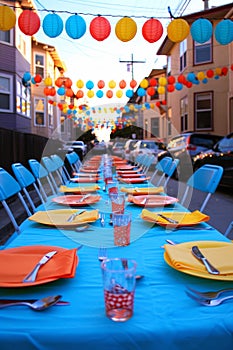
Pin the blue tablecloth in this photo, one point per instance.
(164, 316)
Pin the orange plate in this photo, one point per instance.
(152, 200)
(84, 179)
(133, 181)
(132, 175)
(74, 200)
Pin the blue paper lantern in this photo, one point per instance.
(61, 91)
(201, 30)
(178, 86)
(141, 92)
(224, 32)
(27, 76)
(89, 84)
(75, 26)
(129, 93)
(99, 94)
(52, 25)
(191, 77)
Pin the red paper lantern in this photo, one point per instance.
(79, 94)
(101, 84)
(59, 82)
(210, 73)
(100, 28)
(171, 79)
(153, 82)
(68, 82)
(224, 70)
(109, 93)
(152, 30)
(158, 104)
(38, 78)
(69, 93)
(122, 84)
(181, 79)
(150, 91)
(189, 84)
(170, 88)
(47, 91)
(52, 91)
(133, 83)
(29, 22)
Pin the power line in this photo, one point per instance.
(131, 63)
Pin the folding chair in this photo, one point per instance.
(9, 187)
(160, 168)
(27, 180)
(74, 161)
(61, 168)
(205, 180)
(229, 230)
(53, 173)
(42, 177)
(169, 171)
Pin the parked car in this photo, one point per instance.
(185, 147)
(118, 149)
(129, 146)
(221, 154)
(146, 147)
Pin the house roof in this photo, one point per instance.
(216, 13)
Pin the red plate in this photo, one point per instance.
(84, 179)
(132, 175)
(133, 181)
(152, 201)
(76, 200)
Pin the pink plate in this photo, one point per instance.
(76, 200)
(151, 201)
(133, 181)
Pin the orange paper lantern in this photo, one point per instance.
(133, 83)
(69, 92)
(7, 18)
(178, 30)
(29, 22)
(122, 84)
(151, 91)
(126, 29)
(79, 94)
(101, 84)
(109, 93)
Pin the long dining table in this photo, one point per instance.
(164, 316)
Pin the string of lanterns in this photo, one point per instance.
(125, 29)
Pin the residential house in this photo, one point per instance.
(207, 106)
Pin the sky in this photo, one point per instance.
(88, 59)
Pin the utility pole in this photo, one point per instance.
(131, 63)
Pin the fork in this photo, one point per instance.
(102, 254)
(211, 294)
(208, 302)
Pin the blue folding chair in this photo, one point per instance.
(160, 168)
(53, 172)
(42, 177)
(27, 180)
(9, 188)
(169, 171)
(61, 168)
(74, 161)
(206, 180)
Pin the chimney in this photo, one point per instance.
(206, 4)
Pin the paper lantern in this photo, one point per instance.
(52, 91)
(126, 29)
(69, 92)
(119, 93)
(188, 84)
(152, 30)
(210, 73)
(75, 26)
(224, 32)
(133, 83)
(150, 91)
(129, 93)
(101, 84)
(89, 84)
(144, 83)
(90, 93)
(112, 84)
(48, 81)
(201, 30)
(68, 82)
(99, 94)
(178, 30)
(218, 71)
(200, 75)
(171, 80)
(153, 82)
(181, 79)
(224, 71)
(80, 84)
(7, 18)
(141, 92)
(61, 91)
(162, 81)
(191, 77)
(52, 25)
(161, 90)
(170, 87)
(27, 76)
(79, 94)
(109, 93)
(100, 28)
(38, 78)
(122, 84)
(29, 22)
(178, 86)
(47, 91)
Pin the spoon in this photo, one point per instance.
(38, 305)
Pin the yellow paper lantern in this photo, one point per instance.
(200, 75)
(7, 18)
(126, 29)
(90, 93)
(119, 93)
(80, 84)
(162, 81)
(112, 84)
(178, 30)
(48, 81)
(218, 71)
(144, 83)
(161, 90)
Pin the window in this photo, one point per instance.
(39, 64)
(203, 52)
(23, 99)
(39, 112)
(6, 36)
(203, 111)
(184, 114)
(155, 127)
(183, 54)
(169, 121)
(6, 96)
(50, 114)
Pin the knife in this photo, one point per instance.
(11, 301)
(210, 268)
(31, 277)
(73, 216)
(172, 221)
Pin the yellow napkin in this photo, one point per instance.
(183, 218)
(218, 253)
(142, 190)
(59, 217)
(81, 189)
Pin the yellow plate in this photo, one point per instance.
(204, 274)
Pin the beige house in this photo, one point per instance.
(207, 106)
